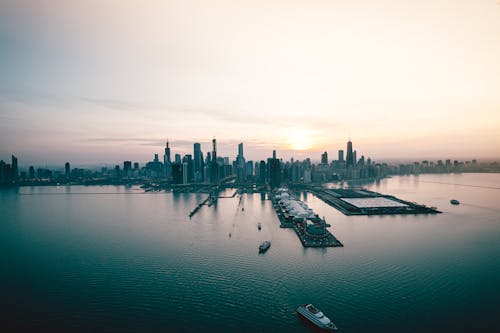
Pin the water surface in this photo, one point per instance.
(106, 258)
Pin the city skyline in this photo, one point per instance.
(84, 80)
(197, 150)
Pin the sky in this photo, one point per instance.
(106, 80)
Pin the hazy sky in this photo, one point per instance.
(99, 80)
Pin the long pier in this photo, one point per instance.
(364, 202)
(209, 201)
(310, 234)
(194, 211)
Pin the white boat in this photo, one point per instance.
(316, 317)
(264, 246)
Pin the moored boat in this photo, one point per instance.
(264, 246)
(316, 317)
(259, 226)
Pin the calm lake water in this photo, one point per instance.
(106, 258)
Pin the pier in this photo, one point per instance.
(194, 211)
(359, 201)
(295, 214)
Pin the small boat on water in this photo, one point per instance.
(264, 246)
(316, 317)
(259, 226)
(454, 202)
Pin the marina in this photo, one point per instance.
(308, 226)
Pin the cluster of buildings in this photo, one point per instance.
(210, 168)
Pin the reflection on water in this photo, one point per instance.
(118, 259)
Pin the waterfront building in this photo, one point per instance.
(262, 172)
(275, 171)
(127, 168)
(198, 163)
(240, 165)
(349, 156)
(177, 177)
(15, 170)
(31, 172)
(67, 170)
(117, 173)
(249, 170)
(185, 172)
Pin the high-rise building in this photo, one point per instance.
(341, 155)
(240, 165)
(349, 157)
(214, 167)
(31, 172)
(240, 149)
(275, 171)
(262, 172)
(167, 153)
(67, 169)
(167, 162)
(2, 172)
(15, 170)
(249, 170)
(185, 172)
(127, 168)
(198, 163)
(177, 177)
(324, 158)
(188, 159)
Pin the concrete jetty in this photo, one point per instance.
(359, 201)
(309, 227)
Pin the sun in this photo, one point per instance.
(299, 139)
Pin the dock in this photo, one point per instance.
(310, 229)
(360, 201)
(194, 211)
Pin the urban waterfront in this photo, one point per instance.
(114, 258)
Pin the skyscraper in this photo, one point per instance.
(341, 155)
(262, 172)
(240, 165)
(67, 169)
(324, 158)
(167, 162)
(167, 153)
(127, 168)
(275, 171)
(15, 170)
(188, 160)
(214, 167)
(349, 156)
(198, 163)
